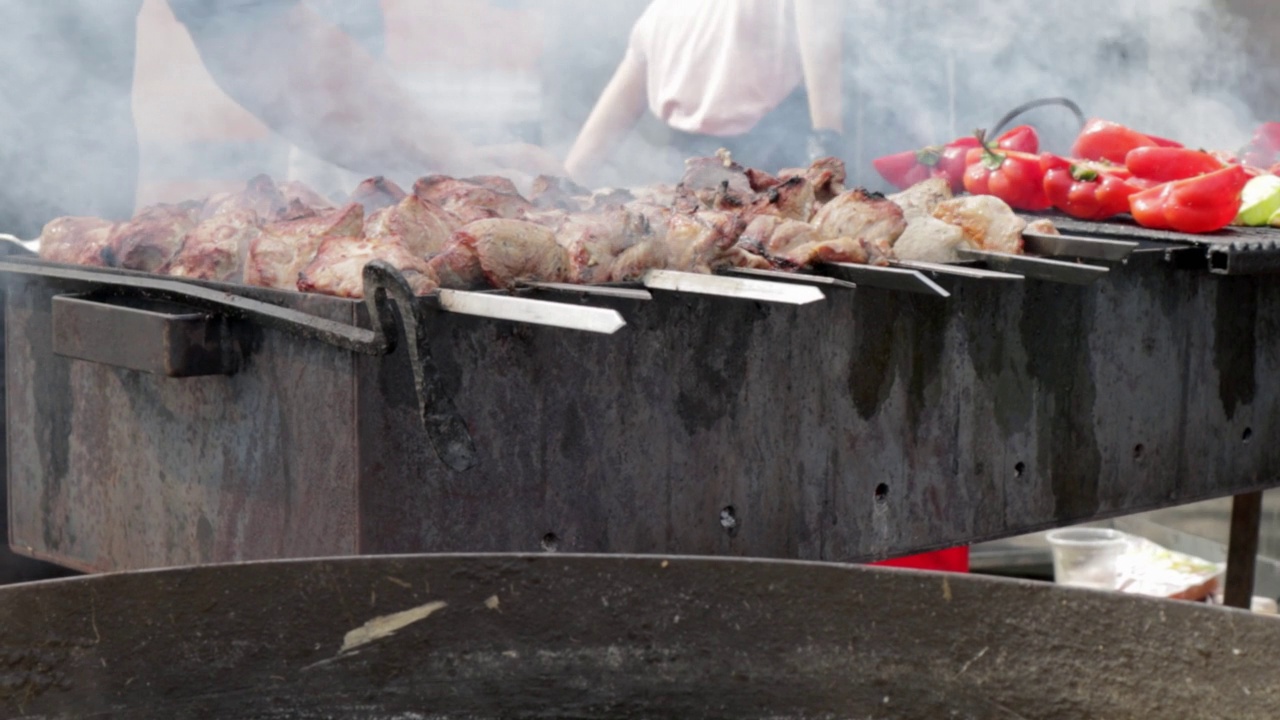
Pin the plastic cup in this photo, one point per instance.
(1087, 557)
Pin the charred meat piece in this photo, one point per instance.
(153, 236)
(702, 242)
(635, 261)
(216, 248)
(773, 236)
(470, 201)
(260, 196)
(920, 200)
(338, 267)
(423, 228)
(845, 249)
(377, 193)
(78, 241)
(986, 221)
(714, 173)
(512, 251)
(861, 215)
(284, 248)
(826, 175)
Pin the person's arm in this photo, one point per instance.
(316, 86)
(820, 25)
(616, 112)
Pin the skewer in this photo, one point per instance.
(1078, 247)
(535, 312)
(792, 277)
(887, 278)
(1038, 268)
(732, 287)
(956, 270)
(597, 290)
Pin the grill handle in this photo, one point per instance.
(383, 287)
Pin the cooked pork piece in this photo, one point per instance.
(260, 196)
(987, 221)
(702, 242)
(294, 190)
(469, 200)
(153, 236)
(285, 247)
(216, 248)
(422, 227)
(457, 267)
(861, 215)
(78, 241)
(919, 200)
(1043, 226)
(714, 173)
(826, 175)
(595, 241)
(377, 193)
(773, 236)
(845, 249)
(338, 268)
(635, 261)
(511, 251)
(559, 193)
(928, 239)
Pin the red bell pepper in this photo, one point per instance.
(1014, 177)
(1167, 164)
(1086, 190)
(904, 169)
(1196, 205)
(1106, 140)
(1264, 149)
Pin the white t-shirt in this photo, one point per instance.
(716, 67)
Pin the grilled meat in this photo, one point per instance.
(153, 236)
(338, 267)
(423, 228)
(861, 215)
(304, 196)
(511, 251)
(920, 200)
(78, 241)
(284, 248)
(377, 193)
(929, 239)
(987, 222)
(457, 267)
(475, 199)
(216, 248)
(261, 196)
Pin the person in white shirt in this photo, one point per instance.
(761, 78)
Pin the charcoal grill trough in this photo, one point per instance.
(899, 410)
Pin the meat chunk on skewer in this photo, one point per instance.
(457, 267)
(861, 215)
(216, 249)
(423, 228)
(987, 222)
(260, 196)
(78, 241)
(929, 239)
(475, 199)
(295, 191)
(284, 248)
(377, 193)
(511, 251)
(153, 236)
(338, 268)
(921, 199)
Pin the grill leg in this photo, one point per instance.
(1242, 552)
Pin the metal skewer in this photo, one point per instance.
(887, 278)
(732, 287)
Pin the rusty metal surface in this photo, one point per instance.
(141, 334)
(112, 468)
(616, 637)
(873, 424)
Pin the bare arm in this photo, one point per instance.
(820, 24)
(312, 83)
(614, 115)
